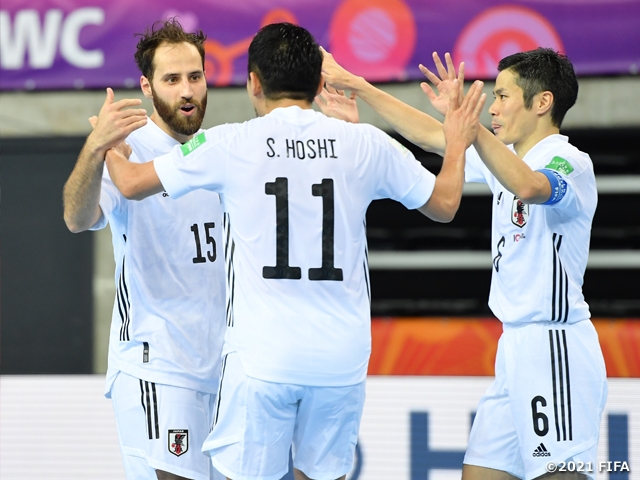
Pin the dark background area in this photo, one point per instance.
(46, 274)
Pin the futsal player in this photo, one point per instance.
(295, 186)
(545, 405)
(168, 323)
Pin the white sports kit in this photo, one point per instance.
(295, 186)
(550, 388)
(168, 320)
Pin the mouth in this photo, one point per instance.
(188, 109)
(495, 127)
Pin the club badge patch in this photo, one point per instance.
(178, 442)
(519, 213)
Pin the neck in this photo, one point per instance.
(155, 118)
(267, 106)
(523, 146)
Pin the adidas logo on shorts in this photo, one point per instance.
(541, 451)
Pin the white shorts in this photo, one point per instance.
(161, 427)
(258, 422)
(545, 403)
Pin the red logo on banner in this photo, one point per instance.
(501, 31)
(373, 38)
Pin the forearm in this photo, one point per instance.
(416, 126)
(447, 192)
(510, 170)
(81, 192)
(135, 181)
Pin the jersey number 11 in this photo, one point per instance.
(282, 269)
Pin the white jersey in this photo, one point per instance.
(168, 316)
(295, 186)
(540, 251)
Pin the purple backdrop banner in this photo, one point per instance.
(67, 44)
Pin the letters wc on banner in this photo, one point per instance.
(72, 44)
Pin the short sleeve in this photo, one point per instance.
(575, 174)
(196, 164)
(110, 201)
(475, 171)
(401, 176)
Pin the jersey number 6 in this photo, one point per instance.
(282, 269)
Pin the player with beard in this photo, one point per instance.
(168, 316)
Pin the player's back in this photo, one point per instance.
(295, 186)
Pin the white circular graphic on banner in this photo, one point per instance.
(501, 31)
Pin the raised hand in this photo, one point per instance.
(116, 121)
(335, 75)
(443, 82)
(462, 120)
(334, 103)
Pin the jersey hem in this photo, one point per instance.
(181, 472)
(484, 463)
(175, 380)
(318, 380)
(236, 476)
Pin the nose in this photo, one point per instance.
(186, 90)
(493, 108)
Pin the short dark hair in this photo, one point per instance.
(169, 31)
(544, 69)
(287, 61)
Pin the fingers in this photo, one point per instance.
(109, 98)
(453, 99)
(474, 100)
(451, 70)
(439, 66)
(432, 77)
(428, 91)
(93, 121)
(461, 73)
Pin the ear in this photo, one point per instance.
(321, 86)
(254, 85)
(145, 86)
(545, 102)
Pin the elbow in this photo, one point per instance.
(73, 225)
(447, 215)
(531, 195)
(129, 190)
(441, 212)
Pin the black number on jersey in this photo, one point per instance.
(282, 269)
(539, 417)
(211, 255)
(496, 259)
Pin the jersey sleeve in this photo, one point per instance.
(570, 179)
(401, 176)
(199, 163)
(110, 200)
(475, 171)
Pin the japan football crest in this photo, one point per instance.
(519, 212)
(178, 441)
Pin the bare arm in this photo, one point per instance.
(81, 193)
(461, 126)
(510, 170)
(506, 166)
(135, 181)
(414, 125)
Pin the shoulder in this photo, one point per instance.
(559, 155)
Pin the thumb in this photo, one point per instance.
(109, 98)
